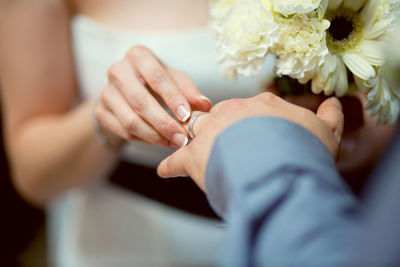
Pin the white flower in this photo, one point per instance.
(220, 8)
(289, 7)
(302, 47)
(354, 38)
(244, 37)
(384, 98)
(332, 76)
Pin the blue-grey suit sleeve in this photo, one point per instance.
(277, 187)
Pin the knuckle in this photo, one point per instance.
(166, 127)
(99, 114)
(131, 125)
(306, 112)
(306, 115)
(170, 164)
(140, 102)
(105, 95)
(219, 107)
(158, 139)
(157, 76)
(114, 71)
(172, 98)
(268, 97)
(137, 51)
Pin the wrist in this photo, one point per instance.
(104, 137)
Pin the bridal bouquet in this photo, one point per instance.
(329, 43)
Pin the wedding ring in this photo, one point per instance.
(193, 118)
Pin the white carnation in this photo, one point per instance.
(220, 9)
(244, 37)
(302, 48)
(289, 7)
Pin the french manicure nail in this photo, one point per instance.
(337, 103)
(206, 99)
(180, 140)
(183, 113)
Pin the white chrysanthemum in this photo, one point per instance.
(244, 37)
(302, 47)
(354, 37)
(384, 97)
(289, 7)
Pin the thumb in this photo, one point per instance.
(331, 112)
(174, 165)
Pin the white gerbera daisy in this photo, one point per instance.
(353, 39)
(244, 37)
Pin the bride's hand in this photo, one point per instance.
(128, 108)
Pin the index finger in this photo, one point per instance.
(160, 81)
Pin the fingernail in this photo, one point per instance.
(206, 99)
(183, 113)
(336, 102)
(180, 140)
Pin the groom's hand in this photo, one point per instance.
(326, 124)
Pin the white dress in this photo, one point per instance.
(106, 226)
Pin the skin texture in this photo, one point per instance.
(327, 124)
(52, 146)
(128, 109)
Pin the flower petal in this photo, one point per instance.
(354, 5)
(334, 4)
(361, 84)
(359, 66)
(376, 30)
(342, 83)
(371, 13)
(289, 7)
(372, 52)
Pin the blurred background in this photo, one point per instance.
(23, 228)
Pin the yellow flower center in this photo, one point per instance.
(345, 32)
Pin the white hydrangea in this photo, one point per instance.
(244, 37)
(289, 7)
(302, 48)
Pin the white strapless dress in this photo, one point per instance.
(106, 226)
